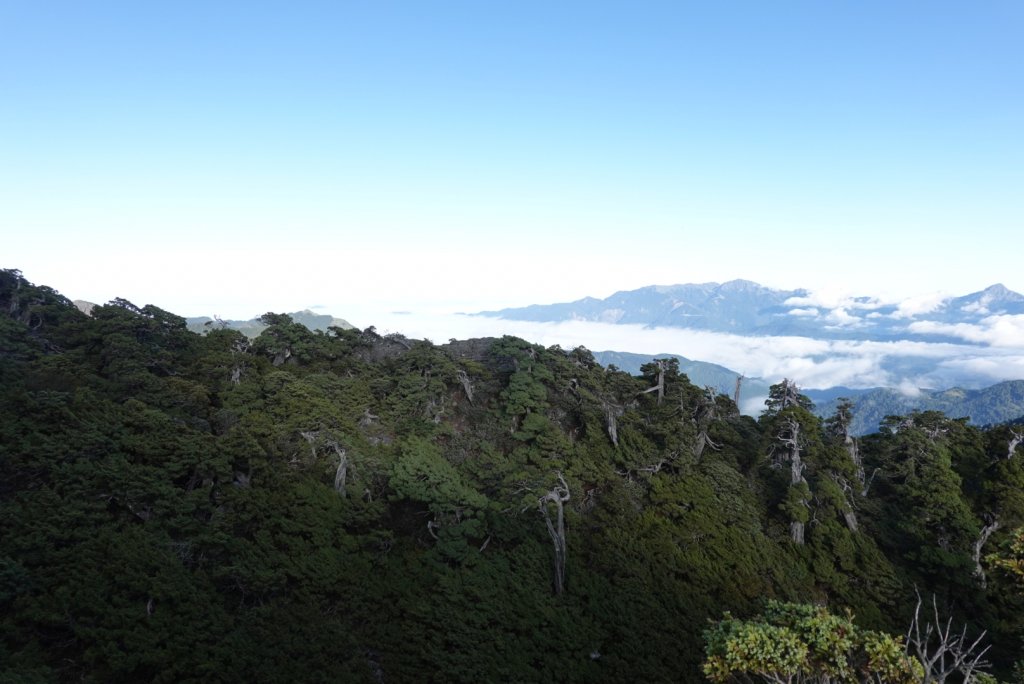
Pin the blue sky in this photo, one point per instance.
(235, 158)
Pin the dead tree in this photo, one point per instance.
(867, 484)
(341, 473)
(854, 451)
(942, 651)
(367, 419)
(789, 436)
(316, 439)
(1015, 441)
(789, 394)
(849, 515)
(992, 524)
(611, 415)
(704, 414)
(557, 497)
(467, 386)
(838, 426)
(240, 347)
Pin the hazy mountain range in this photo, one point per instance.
(1000, 403)
(746, 308)
(888, 357)
(817, 339)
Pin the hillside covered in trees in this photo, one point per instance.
(338, 506)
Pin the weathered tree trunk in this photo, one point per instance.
(660, 386)
(611, 414)
(986, 532)
(790, 436)
(558, 495)
(796, 464)
(704, 414)
(317, 438)
(700, 444)
(341, 474)
(854, 451)
(851, 519)
(467, 386)
(848, 510)
(1015, 441)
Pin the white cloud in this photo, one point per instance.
(813, 363)
(909, 388)
(611, 315)
(965, 331)
(998, 331)
(919, 305)
(978, 307)
(834, 298)
(825, 298)
(840, 317)
(841, 304)
(994, 368)
(753, 406)
(803, 312)
(1006, 330)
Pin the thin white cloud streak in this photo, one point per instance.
(995, 368)
(999, 331)
(834, 298)
(840, 302)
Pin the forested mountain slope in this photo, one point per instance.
(998, 403)
(340, 506)
(700, 373)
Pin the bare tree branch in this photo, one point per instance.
(940, 650)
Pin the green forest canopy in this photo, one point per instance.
(344, 506)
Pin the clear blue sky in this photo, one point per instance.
(216, 157)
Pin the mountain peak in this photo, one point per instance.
(1000, 291)
(740, 284)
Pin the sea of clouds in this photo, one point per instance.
(992, 350)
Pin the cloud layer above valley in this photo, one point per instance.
(813, 363)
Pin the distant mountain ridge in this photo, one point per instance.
(253, 327)
(999, 403)
(700, 373)
(747, 308)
